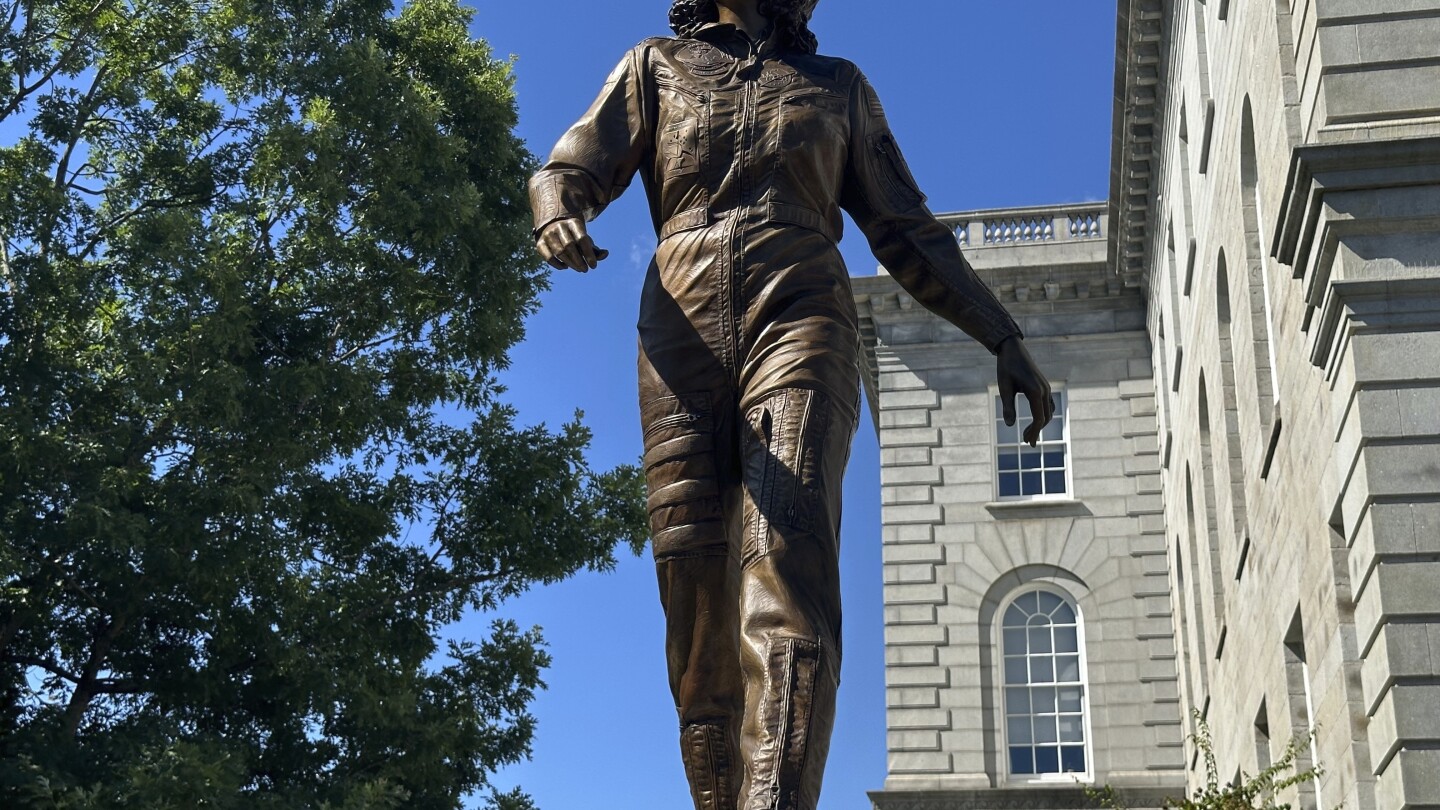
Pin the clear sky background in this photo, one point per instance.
(994, 104)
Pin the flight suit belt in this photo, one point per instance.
(777, 212)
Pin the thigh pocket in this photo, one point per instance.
(680, 471)
(785, 458)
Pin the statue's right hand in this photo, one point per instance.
(565, 245)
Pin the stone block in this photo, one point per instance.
(911, 656)
(1408, 714)
(906, 677)
(901, 495)
(907, 418)
(908, 574)
(910, 437)
(912, 740)
(930, 594)
(928, 553)
(904, 456)
(1411, 779)
(1403, 651)
(1397, 591)
(917, 398)
(924, 697)
(909, 719)
(909, 614)
(915, 513)
(918, 762)
(908, 533)
(901, 381)
(895, 476)
(934, 635)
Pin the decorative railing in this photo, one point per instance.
(1022, 229)
(1024, 226)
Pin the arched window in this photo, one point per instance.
(1045, 727)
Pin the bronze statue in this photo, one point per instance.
(749, 145)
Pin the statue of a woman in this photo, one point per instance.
(749, 145)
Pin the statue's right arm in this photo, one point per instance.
(591, 166)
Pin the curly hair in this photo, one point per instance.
(790, 17)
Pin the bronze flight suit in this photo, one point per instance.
(748, 369)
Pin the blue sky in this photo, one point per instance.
(994, 104)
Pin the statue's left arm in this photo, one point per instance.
(923, 257)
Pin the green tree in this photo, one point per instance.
(260, 261)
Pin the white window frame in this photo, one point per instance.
(1004, 720)
(1021, 420)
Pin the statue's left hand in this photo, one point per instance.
(1016, 372)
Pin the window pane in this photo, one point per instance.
(1030, 602)
(1042, 699)
(1015, 671)
(1054, 482)
(1040, 639)
(1054, 431)
(1030, 483)
(1030, 460)
(1069, 699)
(1066, 640)
(1047, 760)
(1042, 670)
(1009, 485)
(1014, 642)
(1072, 758)
(1019, 730)
(1045, 728)
(1009, 460)
(1069, 666)
(1065, 615)
(1017, 700)
(1015, 617)
(1055, 458)
(1071, 730)
(1049, 601)
(1021, 761)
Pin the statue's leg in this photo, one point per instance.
(692, 471)
(794, 446)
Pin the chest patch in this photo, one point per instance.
(704, 59)
(775, 78)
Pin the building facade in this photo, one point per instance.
(1239, 520)
(1029, 642)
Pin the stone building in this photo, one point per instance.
(1240, 514)
(1028, 633)
(1276, 189)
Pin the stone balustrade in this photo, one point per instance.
(1019, 226)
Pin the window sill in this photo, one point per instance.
(1020, 510)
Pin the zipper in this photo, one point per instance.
(747, 126)
(800, 457)
(673, 420)
(898, 175)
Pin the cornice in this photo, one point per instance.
(1138, 40)
(1018, 798)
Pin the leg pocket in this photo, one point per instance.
(684, 502)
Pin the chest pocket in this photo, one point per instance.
(813, 121)
(680, 148)
(682, 135)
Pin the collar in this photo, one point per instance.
(718, 32)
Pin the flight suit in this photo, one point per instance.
(748, 369)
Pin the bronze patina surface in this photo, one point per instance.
(749, 146)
